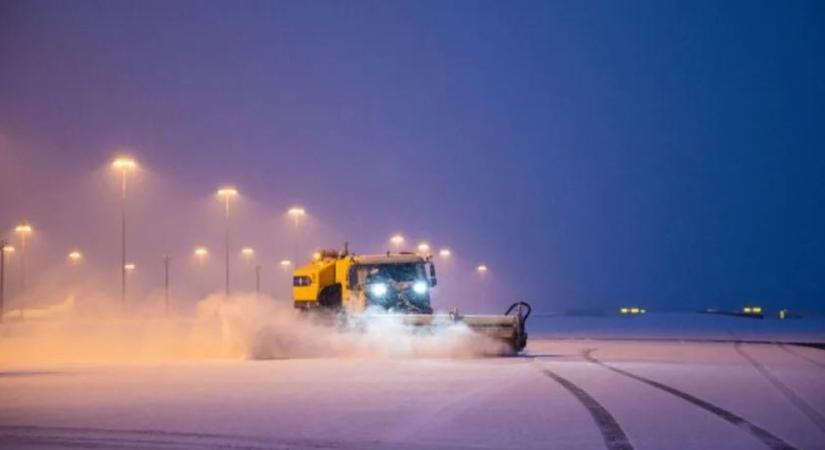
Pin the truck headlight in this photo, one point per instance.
(378, 289)
(420, 287)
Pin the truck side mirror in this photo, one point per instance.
(433, 279)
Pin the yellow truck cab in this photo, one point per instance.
(397, 282)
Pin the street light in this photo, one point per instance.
(424, 248)
(445, 253)
(8, 249)
(285, 264)
(23, 230)
(124, 165)
(227, 194)
(75, 256)
(397, 241)
(4, 248)
(248, 253)
(129, 267)
(297, 213)
(482, 269)
(201, 253)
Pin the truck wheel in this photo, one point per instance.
(330, 297)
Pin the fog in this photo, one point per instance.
(79, 209)
(72, 310)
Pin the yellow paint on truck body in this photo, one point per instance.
(319, 273)
(329, 268)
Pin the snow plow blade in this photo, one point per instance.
(508, 328)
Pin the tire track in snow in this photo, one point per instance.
(771, 441)
(613, 435)
(30, 436)
(799, 355)
(84, 437)
(812, 414)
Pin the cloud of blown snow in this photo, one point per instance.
(241, 327)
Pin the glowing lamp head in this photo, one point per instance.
(378, 290)
(8, 249)
(75, 256)
(445, 253)
(285, 263)
(316, 256)
(248, 252)
(482, 268)
(296, 211)
(423, 248)
(124, 163)
(227, 192)
(397, 240)
(129, 266)
(23, 228)
(201, 252)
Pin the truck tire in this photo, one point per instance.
(330, 297)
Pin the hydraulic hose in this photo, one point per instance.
(521, 333)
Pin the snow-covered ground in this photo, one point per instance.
(561, 394)
(247, 374)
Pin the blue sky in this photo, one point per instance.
(593, 153)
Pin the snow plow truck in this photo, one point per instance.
(396, 284)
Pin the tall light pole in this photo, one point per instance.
(258, 279)
(227, 194)
(296, 213)
(23, 230)
(123, 165)
(248, 254)
(481, 270)
(166, 259)
(2, 278)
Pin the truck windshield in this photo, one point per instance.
(399, 273)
